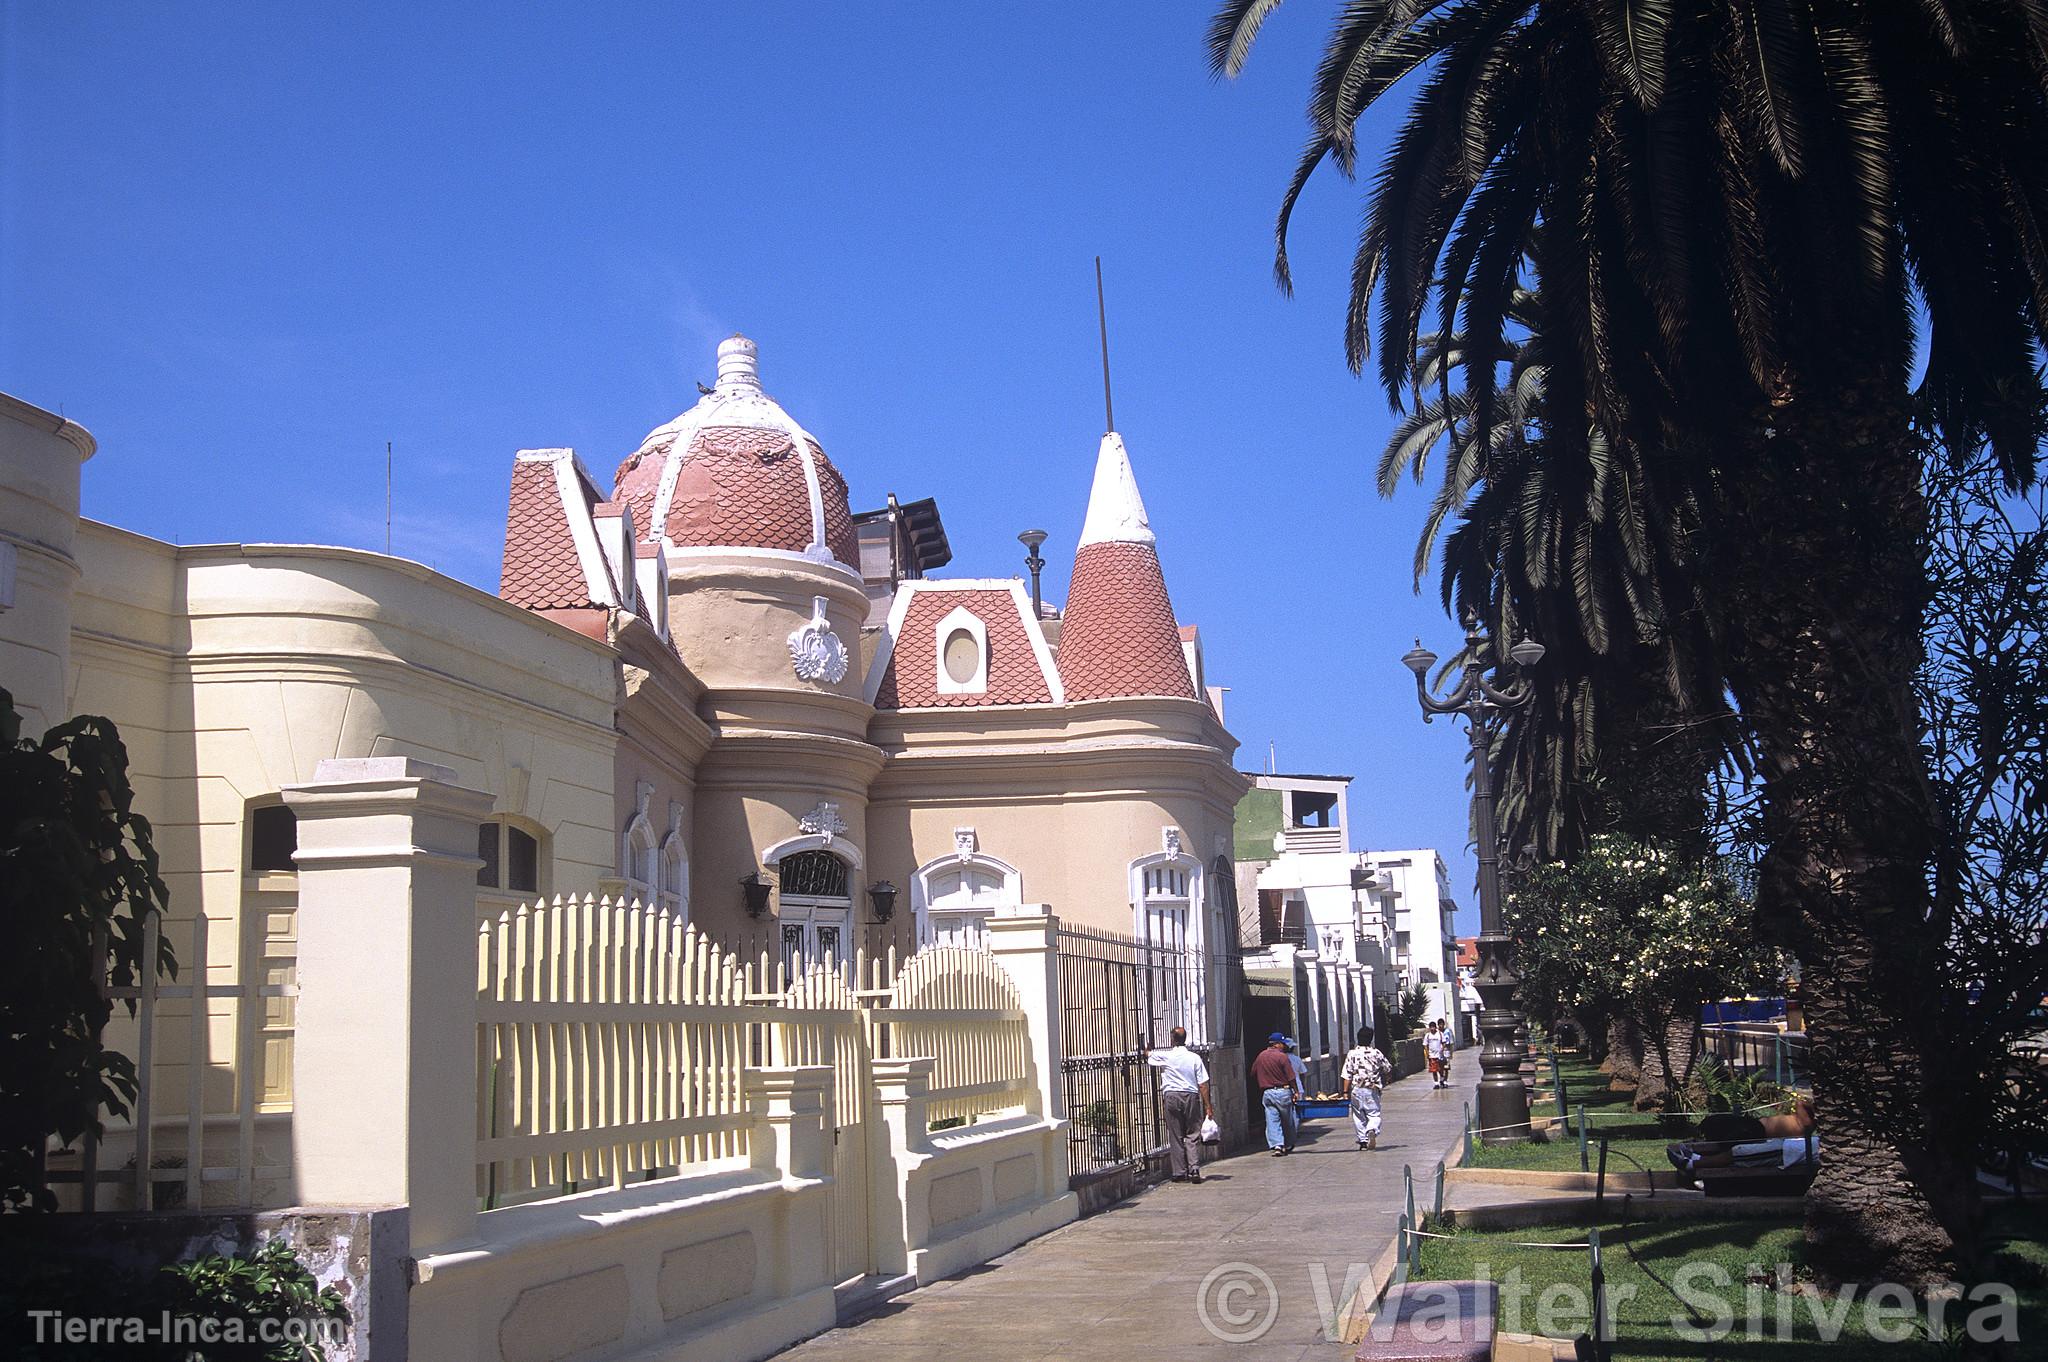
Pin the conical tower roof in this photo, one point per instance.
(1119, 636)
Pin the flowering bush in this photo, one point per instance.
(1632, 929)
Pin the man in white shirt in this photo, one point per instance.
(1184, 1097)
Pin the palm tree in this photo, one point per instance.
(1630, 716)
(1746, 205)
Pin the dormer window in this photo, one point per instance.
(961, 643)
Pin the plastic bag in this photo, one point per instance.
(1211, 1132)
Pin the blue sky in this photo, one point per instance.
(246, 245)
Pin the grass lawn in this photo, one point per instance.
(1637, 1140)
(1711, 1262)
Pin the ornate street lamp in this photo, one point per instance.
(754, 892)
(1503, 1101)
(1035, 561)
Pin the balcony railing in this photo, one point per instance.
(1314, 839)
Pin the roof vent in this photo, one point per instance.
(739, 364)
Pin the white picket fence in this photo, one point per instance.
(613, 1041)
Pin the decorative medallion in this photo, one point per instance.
(823, 821)
(1172, 840)
(815, 651)
(964, 844)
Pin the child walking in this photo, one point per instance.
(1436, 1047)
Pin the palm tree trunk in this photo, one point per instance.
(1824, 640)
(1624, 1063)
(1670, 1050)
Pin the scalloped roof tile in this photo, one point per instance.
(1014, 675)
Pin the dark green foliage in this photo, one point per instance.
(1404, 1018)
(239, 1300)
(272, 1285)
(1984, 693)
(78, 886)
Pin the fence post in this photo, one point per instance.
(1437, 1207)
(1408, 1191)
(789, 1133)
(1027, 947)
(1582, 1137)
(1599, 1294)
(1468, 1131)
(384, 1064)
(1778, 1059)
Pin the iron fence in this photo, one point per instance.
(1119, 997)
(1783, 1055)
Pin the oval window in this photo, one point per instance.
(963, 656)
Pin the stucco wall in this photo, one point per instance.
(232, 671)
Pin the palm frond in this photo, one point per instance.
(1233, 30)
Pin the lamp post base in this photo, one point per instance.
(1503, 1100)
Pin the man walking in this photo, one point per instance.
(1273, 1076)
(1184, 1093)
(1365, 1072)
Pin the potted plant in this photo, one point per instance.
(1100, 1119)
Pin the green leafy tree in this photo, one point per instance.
(1642, 933)
(78, 886)
(1756, 213)
(1985, 696)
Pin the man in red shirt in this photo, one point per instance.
(1273, 1076)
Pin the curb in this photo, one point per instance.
(1354, 1315)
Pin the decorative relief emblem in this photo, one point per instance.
(823, 821)
(1172, 840)
(815, 651)
(964, 844)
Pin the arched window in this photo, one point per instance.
(1166, 899)
(273, 837)
(640, 867)
(815, 907)
(675, 874)
(512, 857)
(955, 896)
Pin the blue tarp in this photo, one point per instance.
(1743, 1010)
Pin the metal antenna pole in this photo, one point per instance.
(1102, 322)
(387, 498)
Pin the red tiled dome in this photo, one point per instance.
(736, 471)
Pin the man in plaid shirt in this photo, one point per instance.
(1365, 1072)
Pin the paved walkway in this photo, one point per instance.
(1123, 1284)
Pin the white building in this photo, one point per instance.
(1425, 945)
(1316, 922)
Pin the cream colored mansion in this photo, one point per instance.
(706, 684)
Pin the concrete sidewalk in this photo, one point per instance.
(1125, 1283)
